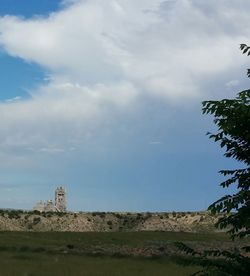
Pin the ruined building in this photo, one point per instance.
(60, 199)
(60, 204)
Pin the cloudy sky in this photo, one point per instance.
(104, 98)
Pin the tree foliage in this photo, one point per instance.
(216, 262)
(245, 50)
(232, 117)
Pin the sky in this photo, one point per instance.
(104, 98)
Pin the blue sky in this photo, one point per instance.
(105, 99)
(24, 75)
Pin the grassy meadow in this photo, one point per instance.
(44, 264)
(95, 253)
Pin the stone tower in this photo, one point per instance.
(60, 199)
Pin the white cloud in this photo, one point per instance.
(102, 57)
(155, 143)
(17, 98)
(232, 83)
(52, 150)
(60, 115)
(165, 48)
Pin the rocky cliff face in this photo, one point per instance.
(99, 221)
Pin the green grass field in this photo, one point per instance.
(60, 253)
(44, 264)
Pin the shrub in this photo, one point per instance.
(202, 218)
(148, 214)
(36, 220)
(35, 212)
(26, 217)
(30, 226)
(14, 215)
(24, 248)
(102, 215)
(3, 248)
(39, 249)
(119, 216)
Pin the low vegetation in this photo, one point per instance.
(18, 220)
(106, 253)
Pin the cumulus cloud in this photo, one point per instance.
(60, 115)
(161, 46)
(105, 56)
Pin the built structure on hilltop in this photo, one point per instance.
(60, 204)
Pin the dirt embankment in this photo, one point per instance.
(108, 222)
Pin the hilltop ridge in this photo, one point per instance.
(17, 220)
